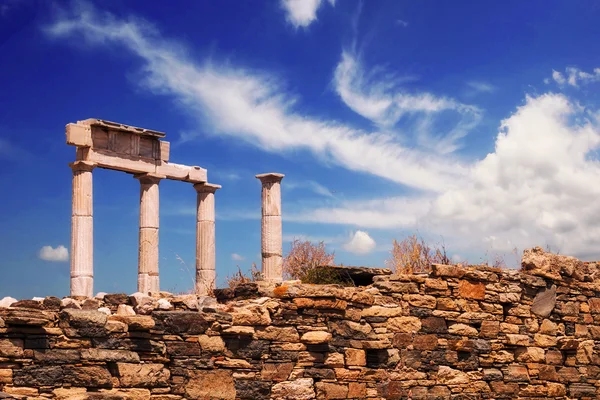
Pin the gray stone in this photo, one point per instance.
(544, 302)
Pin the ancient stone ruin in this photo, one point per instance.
(140, 152)
(456, 332)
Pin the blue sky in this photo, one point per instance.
(475, 122)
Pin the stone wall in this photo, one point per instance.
(457, 333)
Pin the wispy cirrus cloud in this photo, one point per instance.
(575, 77)
(252, 106)
(302, 13)
(378, 96)
(476, 87)
(312, 186)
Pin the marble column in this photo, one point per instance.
(271, 240)
(148, 280)
(82, 230)
(205, 238)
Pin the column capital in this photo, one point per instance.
(270, 177)
(206, 187)
(149, 177)
(86, 166)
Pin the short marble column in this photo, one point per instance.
(205, 238)
(271, 240)
(148, 280)
(82, 230)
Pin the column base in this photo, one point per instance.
(82, 286)
(205, 282)
(148, 283)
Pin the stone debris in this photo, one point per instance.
(456, 333)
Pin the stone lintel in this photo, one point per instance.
(82, 166)
(206, 187)
(138, 165)
(270, 177)
(117, 126)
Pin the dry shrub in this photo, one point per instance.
(303, 257)
(240, 277)
(413, 256)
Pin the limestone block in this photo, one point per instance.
(299, 389)
(217, 384)
(7, 301)
(143, 375)
(544, 302)
(316, 337)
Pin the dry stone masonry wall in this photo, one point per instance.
(456, 333)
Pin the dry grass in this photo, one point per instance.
(413, 255)
(240, 277)
(303, 257)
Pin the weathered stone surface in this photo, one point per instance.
(110, 355)
(544, 302)
(470, 290)
(11, 348)
(26, 317)
(216, 384)
(355, 357)
(277, 334)
(538, 262)
(404, 324)
(276, 372)
(299, 389)
(178, 322)
(143, 375)
(7, 302)
(135, 322)
(331, 390)
(463, 330)
(316, 337)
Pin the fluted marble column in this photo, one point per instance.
(205, 238)
(82, 230)
(148, 280)
(271, 238)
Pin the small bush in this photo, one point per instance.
(413, 256)
(240, 277)
(326, 276)
(303, 257)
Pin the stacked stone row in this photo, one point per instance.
(457, 333)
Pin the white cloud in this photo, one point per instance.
(402, 23)
(313, 186)
(252, 106)
(377, 96)
(302, 13)
(481, 87)
(573, 76)
(59, 254)
(237, 257)
(536, 188)
(360, 243)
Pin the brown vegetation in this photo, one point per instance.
(304, 257)
(240, 277)
(413, 255)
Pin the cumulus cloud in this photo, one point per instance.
(58, 254)
(237, 257)
(360, 243)
(302, 13)
(378, 96)
(574, 76)
(253, 107)
(534, 189)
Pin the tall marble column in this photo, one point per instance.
(271, 240)
(205, 238)
(148, 280)
(82, 230)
